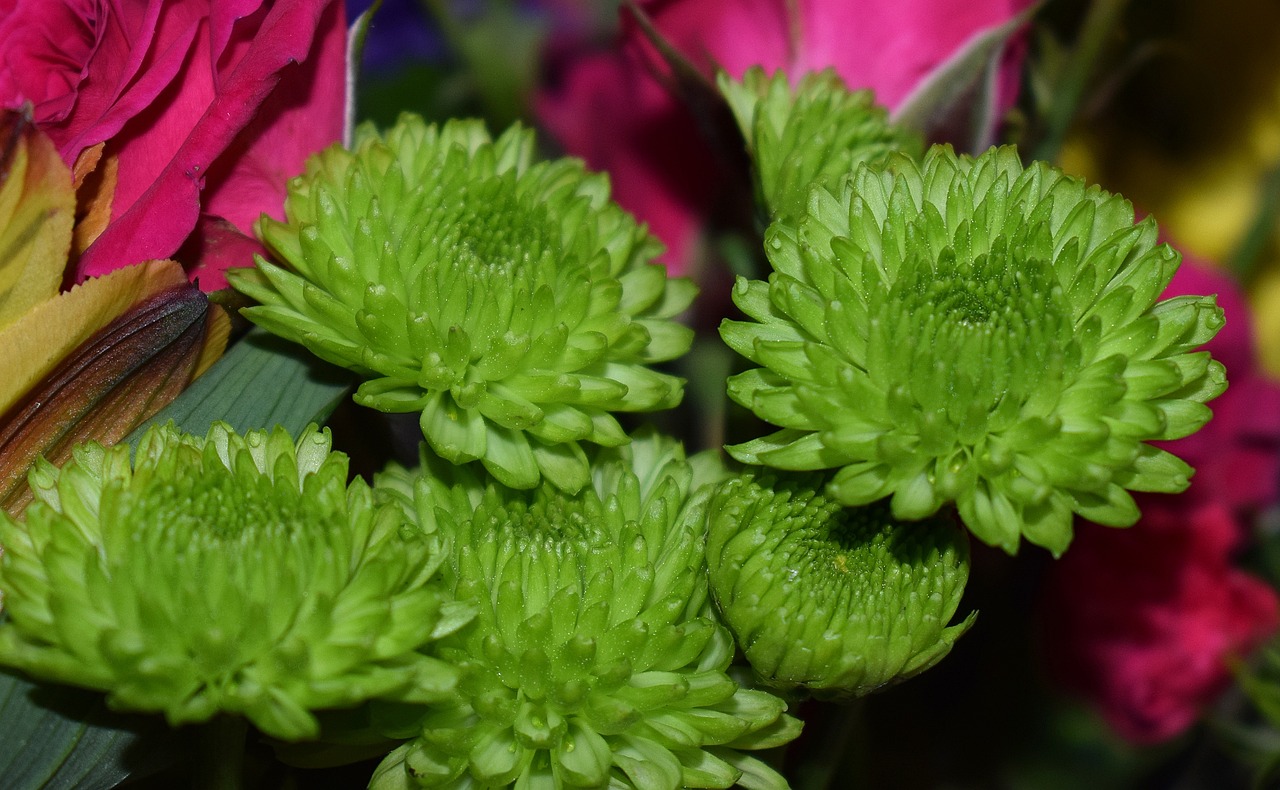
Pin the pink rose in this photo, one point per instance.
(1141, 621)
(611, 109)
(205, 109)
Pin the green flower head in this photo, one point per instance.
(222, 574)
(839, 601)
(510, 302)
(595, 660)
(966, 330)
(815, 133)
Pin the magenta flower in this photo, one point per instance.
(1141, 621)
(612, 109)
(203, 109)
(1237, 455)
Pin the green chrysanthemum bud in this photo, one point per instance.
(595, 660)
(841, 601)
(966, 330)
(223, 574)
(817, 133)
(511, 303)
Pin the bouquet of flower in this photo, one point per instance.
(586, 395)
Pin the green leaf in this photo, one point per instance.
(356, 36)
(60, 737)
(261, 382)
(956, 102)
(56, 737)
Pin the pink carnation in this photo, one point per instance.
(207, 108)
(612, 109)
(1142, 621)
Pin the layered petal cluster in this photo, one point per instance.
(222, 574)
(966, 330)
(507, 300)
(595, 660)
(815, 133)
(839, 601)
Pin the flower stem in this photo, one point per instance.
(220, 759)
(1100, 23)
(840, 751)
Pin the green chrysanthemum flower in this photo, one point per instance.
(840, 601)
(222, 574)
(817, 133)
(595, 660)
(510, 302)
(969, 330)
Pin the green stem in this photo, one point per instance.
(220, 756)
(1102, 18)
(838, 752)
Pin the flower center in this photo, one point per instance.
(548, 527)
(974, 341)
(487, 257)
(496, 231)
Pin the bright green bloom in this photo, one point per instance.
(222, 574)
(595, 660)
(510, 302)
(817, 132)
(840, 601)
(966, 330)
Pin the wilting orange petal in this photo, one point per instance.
(86, 163)
(109, 384)
(95, 189)
(37, 208)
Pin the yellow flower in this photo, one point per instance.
(1202, 167)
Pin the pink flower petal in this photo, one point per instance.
(892, 47)
(305, 114)
(1142, 621)
(620, 121)
(731, 35)
(217, 245)
(611, 108)
(157, 222)
(132, 63)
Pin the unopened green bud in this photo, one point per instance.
(838, 601)
(814, 133)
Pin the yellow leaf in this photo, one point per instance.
(33, 345)
(37, 209)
